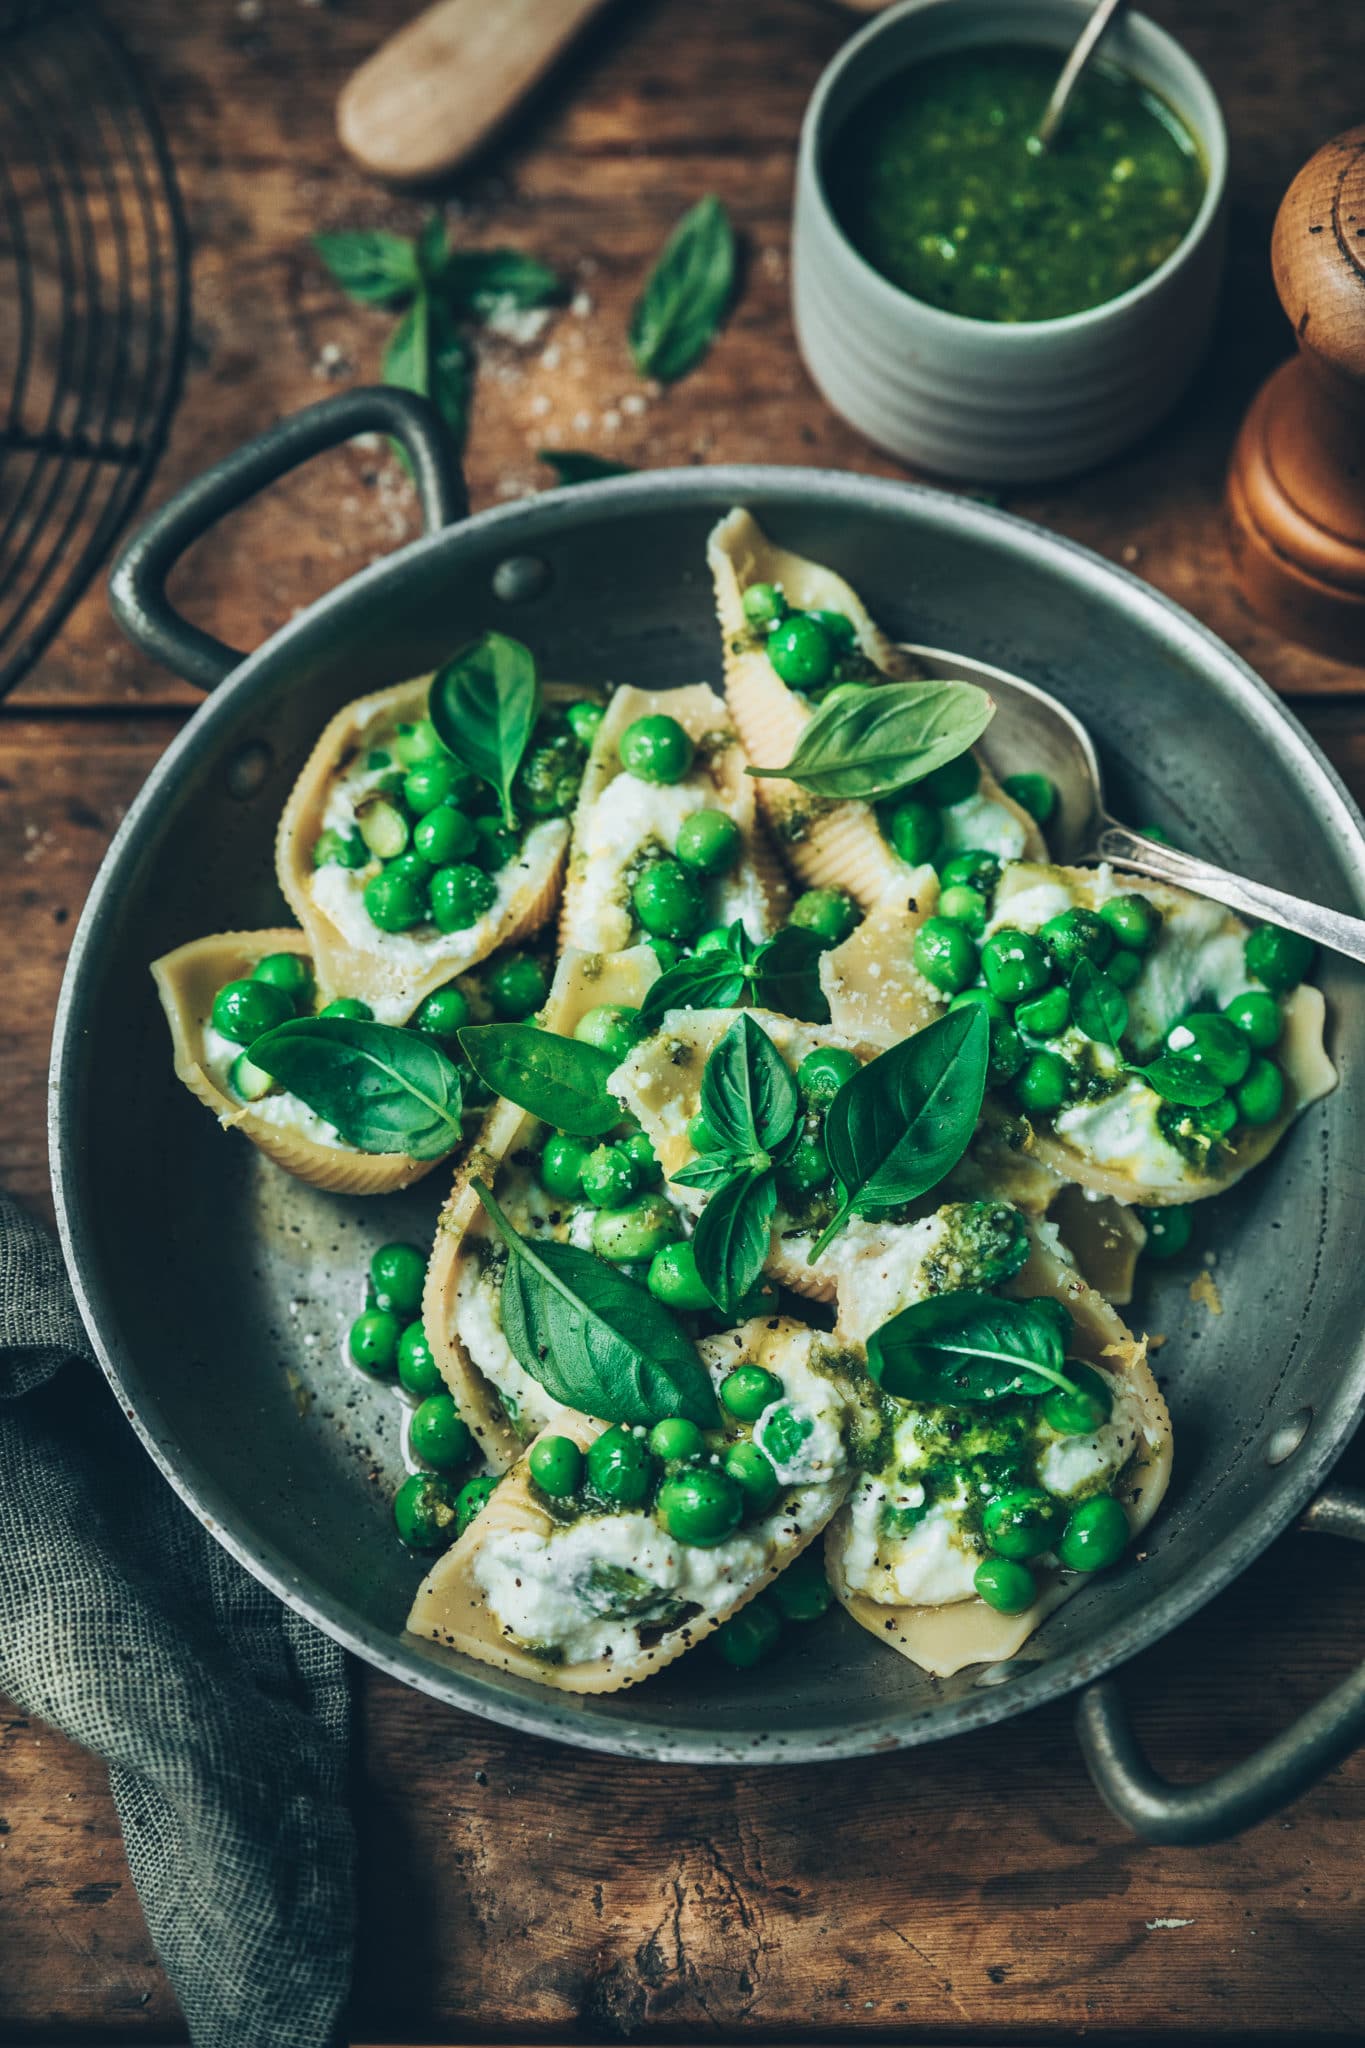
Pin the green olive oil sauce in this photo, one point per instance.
(938, 182)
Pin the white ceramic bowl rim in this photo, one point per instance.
(1211, 134)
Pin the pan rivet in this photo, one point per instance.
(248, 769)
(520, 578)
(1285, 1440)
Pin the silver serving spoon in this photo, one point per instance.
(1084, 49)
(1031, 729)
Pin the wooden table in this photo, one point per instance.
(517, 1891)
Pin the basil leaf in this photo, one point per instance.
(560, 1080)
(406, 362)
(596, 1341)
(748, 1094)
(1183, 1082)
(684, 300)
(708, 981)
(971, 1346)
(483, 705)
(733, 1235)
(426, 354)
(480, 280)
(575, 466)
(709, 1170)
(376, 268)
(383, 1089)
(431, 248)
(1098, 1005)
(870, 742)
(905, 1119)
(787, 975)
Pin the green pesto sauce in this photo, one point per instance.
(935, 182)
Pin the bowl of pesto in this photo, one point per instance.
(977, 305)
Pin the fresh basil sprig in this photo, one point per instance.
(1098, 1005)
(559, 1080)
(595, 1340)
(783, 973)
(972, 1346)
(377, 268)
(483, 704)
(685, 297)
(382, 1088)
(869, 742)
(734, 1234)
(903, 1121)
(748, 1094)
(576, 466)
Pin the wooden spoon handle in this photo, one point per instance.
(432, 94)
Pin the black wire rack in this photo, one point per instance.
(94, 309)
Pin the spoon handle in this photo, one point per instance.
(1149, 857)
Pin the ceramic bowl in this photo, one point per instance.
(977, 399)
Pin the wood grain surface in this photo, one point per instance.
(514, 1891)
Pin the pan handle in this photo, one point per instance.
(1247, 1793)
(137, 581)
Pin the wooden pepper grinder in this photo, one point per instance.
(1296, 487)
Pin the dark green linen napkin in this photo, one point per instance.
(222, 1716)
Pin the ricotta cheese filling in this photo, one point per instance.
(627, 820)
(979, 824)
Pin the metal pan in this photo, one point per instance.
(214, 1287)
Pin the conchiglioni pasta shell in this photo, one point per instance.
(378, 968)
(942, 1640)
(187, 981)
(582, 981)
(703, 716)
(450, 1607)
(830, 845)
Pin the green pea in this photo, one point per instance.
(445, 835)
(708, 842)
(437, 1434)
(1080, 1413)
(1022, 1523)
(915, 829)
(248, 1082)
(637, 1147)
(752, 1471)
(637, 1232)
(716, 940)
(1034, 794)
(584, 719)
(841, 630)
(1124, 969)
(821, 1075)
(945, 954)
(667, 901)
(517, 987)
(291, 972)
(954, 782)
(666, 951)
(964, 906)
(373, 1342)
(700, 1135)
(556, 1465)
(749, 1636)
(802, 652)
(700, 1505)
(620, 1467)
(496, 844)
(383, 826)
(992, 1005)
(656, 749)
(442, 1013)
(802, 1592)
(1015, 965)
(1214, 1044)
(828, 913)
(418, 1372)
(1260, 1099)
(349, 1007)
(1044, 1083)
(1007, 1587)
(806, 1167)
(472, 1498)
(416, 741)
(547, 781)
(1279, 958)
(460, 896)
(397, 1276)
(1047, 1015)
(1257, 1017)
(429, 782)
(1096, 1535)
(748, 1390)
(396, 902)
(561, 1167)
(764, 605)
(974, 869)
(338, 849)
(425, 1512)
(1008, 1055)
(609, 1177)
(676, 1440)
(1077, 935)
(1215, 1119)
(244, 1010)
(611, 1027)
(1133, 920)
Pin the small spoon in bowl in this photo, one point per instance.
(1031, 728)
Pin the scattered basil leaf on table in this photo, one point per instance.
(481, 280)
(869, 742)
(382, 1088)
(748, 1093)
(483, 705)
(1098, 1005)
(971, 1346)
(595, 1340)
(733, 1234)
(786, 975)
(377, 268)
(1183, 1082)
(684, 300)
(903, 1121)
(576, 466)
(559, 1080)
